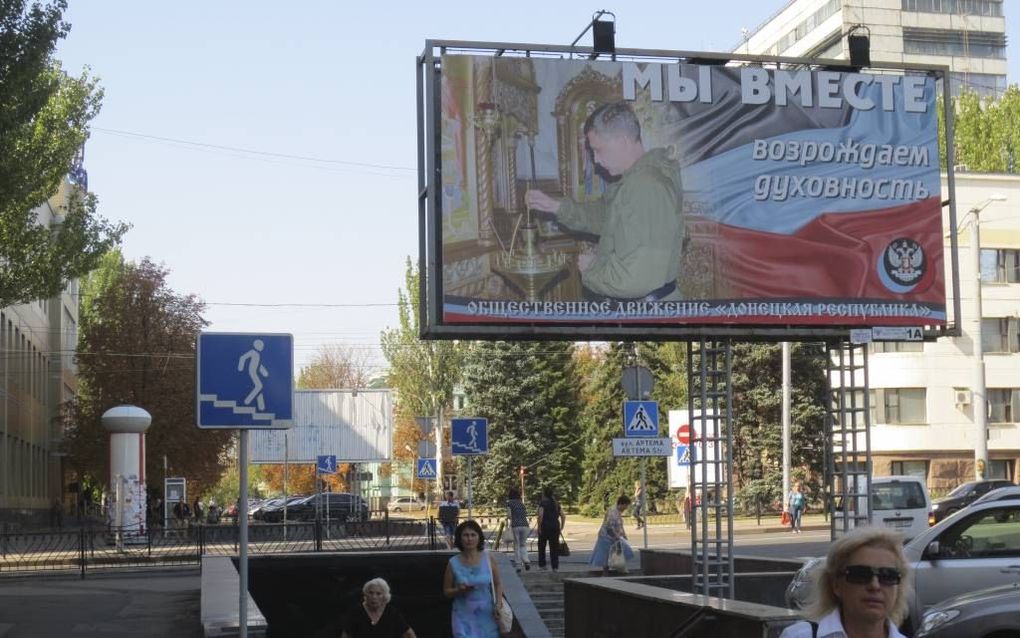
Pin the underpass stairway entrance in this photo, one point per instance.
(545, 588)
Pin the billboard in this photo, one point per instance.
(353, 426)
(653, 195)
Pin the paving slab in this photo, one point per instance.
(150, 604)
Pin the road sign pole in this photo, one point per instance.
(242, 520)
(643, 499)
(471, 478)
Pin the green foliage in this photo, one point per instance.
(137, 346)
(44, 118)
(227, 489)
(606, 477)
(986, 133)
(757, 419)
(529, 393)
(423, 374)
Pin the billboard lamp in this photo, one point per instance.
(858, 40)
(603, 34)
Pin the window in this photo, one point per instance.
(1003, 405)
(910, 468)
(984, 84)
(899, 406)
(1000, 266)
(897, 346)
(951, 42)
(818, 17)
(992, 533)
(999, 469)
(958, 7)
(1000, 334)
(900, 495)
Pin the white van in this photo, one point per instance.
(900, 502)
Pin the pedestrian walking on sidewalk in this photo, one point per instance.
(519, 527)
(639, 504)
(612, 536)
(550, 523)
(796, 503)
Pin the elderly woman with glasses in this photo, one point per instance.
(861, 592)
(375, 617)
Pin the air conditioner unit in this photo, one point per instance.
(962, 397)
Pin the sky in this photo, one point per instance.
(265, 153)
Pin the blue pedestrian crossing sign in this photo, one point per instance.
(640, 419)
(427, 469)
(244, 380)
(326, 464)
(469, 437)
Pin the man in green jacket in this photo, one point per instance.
(638, 219)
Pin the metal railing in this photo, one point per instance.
(89, 548)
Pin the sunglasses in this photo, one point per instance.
(862, 575)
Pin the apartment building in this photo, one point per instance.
(968, 36)
(922, 393)
(37, 375)
(922, 407)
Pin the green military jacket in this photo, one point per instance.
(640, 227)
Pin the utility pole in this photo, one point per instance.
(787, 453)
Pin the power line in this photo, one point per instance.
(235, 149)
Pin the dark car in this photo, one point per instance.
(986, 613)
(334, 505)
(276, 505)
(963, 496)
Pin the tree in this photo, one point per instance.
(334, 367)
(757, 419)
(606, 477)
(137, 346)
(44, 119)
(423, 374)
(986, 133)
(529, 393)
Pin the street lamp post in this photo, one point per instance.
(979, 389)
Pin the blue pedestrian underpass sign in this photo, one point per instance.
(641, 419)
(427, 469)
(245, 380)
(469, 437)
(326, 464)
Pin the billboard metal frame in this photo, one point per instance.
(430, 249)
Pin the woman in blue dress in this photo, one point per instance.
(469, 576)
(611, 537)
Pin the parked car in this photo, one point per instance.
(334, 505)
(405, 504)
(963, 496)
(986, 613)
(975, 548)
(899, 502)
(1001, 494)
(272, 510)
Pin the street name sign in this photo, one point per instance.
(655, 446)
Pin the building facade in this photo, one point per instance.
(37, 375)
(922, 401)
(968, 36)
(921, 394)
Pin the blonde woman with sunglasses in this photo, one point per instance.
(861, 592)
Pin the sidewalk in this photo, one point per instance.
(151, 604)
(585, 529)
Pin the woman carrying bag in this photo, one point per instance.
(612, 540)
